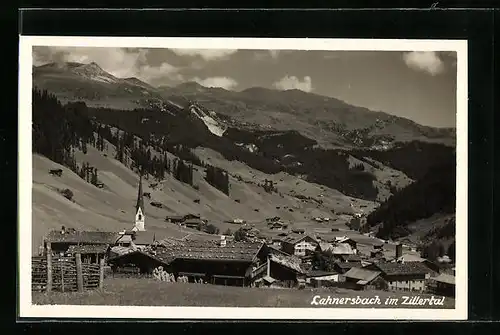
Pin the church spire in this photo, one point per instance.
(140, 199)
(139, 208)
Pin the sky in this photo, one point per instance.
(420, 86)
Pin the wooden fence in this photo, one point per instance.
(65, 274)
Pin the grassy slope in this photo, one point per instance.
(112, 208)
(153, 293)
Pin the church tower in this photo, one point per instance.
(139, 209)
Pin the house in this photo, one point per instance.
(131, 260)
(192, 216)
(273, 219)
(175, 219)
(341, 249)
(298, 244)
(317, 278)
(59, 241)
(409, 276)
(443, 284)
(277, 225)
(364, 279)
(347, 240)
(298, 231)
(143, 238)
(217, 262)
(193, 223)
(285, 268)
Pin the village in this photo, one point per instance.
(291, 260)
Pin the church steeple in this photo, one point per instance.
(139, 208)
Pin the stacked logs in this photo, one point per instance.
(162, 275)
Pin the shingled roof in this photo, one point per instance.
(363, 275)
(88, 249)
(209, 250)
(291, 262)
(296, 238)
(90, 237)
(410, 268)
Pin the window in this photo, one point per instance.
(139, 217)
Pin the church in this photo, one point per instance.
(139, 209)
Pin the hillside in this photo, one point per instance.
(432, 194)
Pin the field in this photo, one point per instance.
(147, 292)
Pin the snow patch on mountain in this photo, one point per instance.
(213, 125)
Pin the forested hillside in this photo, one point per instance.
(60, 129)
(431, 194)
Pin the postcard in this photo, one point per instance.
(242, 178)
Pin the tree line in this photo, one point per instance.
(59, 130)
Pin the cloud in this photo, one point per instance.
(222, 82)
(206, 54)
(120, 62)
(427, 61)
(292, 82)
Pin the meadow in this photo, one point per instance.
(148, 292)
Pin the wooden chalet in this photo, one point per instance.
(317, 278)
(285, 268)
(60, 241)
(443, 284)
(175, 219)
(193, 223)
(409, 276)
(217, 262)
(346, 240)
(298, 245)
(364, 279)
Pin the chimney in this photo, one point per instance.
(399, 250)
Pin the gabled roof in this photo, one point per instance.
(210, 250)
(342, 249)
(410, 268)
(90, 237)
(144, 237)
(135, 253)
(410, 258)
(320, 273)
(445, 278)
(362, 274)
(292, 262)
(294, 239)
(88, 249)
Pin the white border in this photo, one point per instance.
(26, 309)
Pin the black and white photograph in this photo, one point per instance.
(243, 178)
